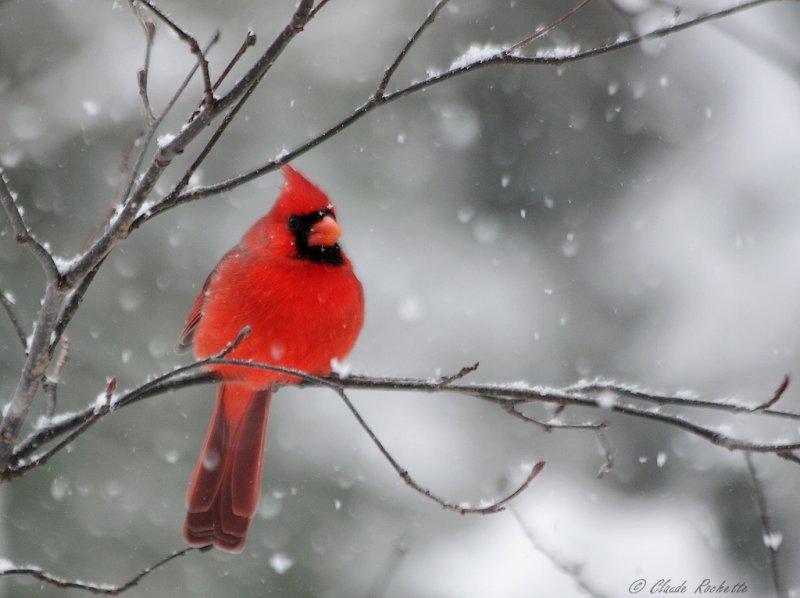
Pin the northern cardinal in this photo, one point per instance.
(292, 285)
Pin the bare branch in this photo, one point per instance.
(71, 305)
(318, 7)
(380, 584)
(512, 408)
(50, 383)
(93, 588)
(387, 75)
(776, 395)
(120, 226)
(465, 371)
(23, 234)
(78, 423)
(146, 138)
(494, 507)
(547, 29)
(190, 40)
(507, 397)
(33, 372)
(771, 537)
(502, 57)
(149, 29)
(596, 387)
(571, 570)
(13, 316)
(608, 454)
(249, 42)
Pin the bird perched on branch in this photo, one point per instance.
(291, 284)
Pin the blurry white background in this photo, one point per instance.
(632, 216)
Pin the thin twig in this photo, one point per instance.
(121, 226)
(146, 138)
(71, 305)
(13, 316)
(571, 570)
(93, 588)
(33, 372)
(300, 18)
(23, 466)
(184, 84)
(383, 578)
(387, 75)
(494, 507)
(776, 396)
(466, 370)
(603, 386)
(149, 29)
(80, 422)
(50, 383)
(249, 42)
(608, 454)
(318, 7)
(500, 58)
(772, 538)
(190, 40)
(23, 233)
(546, 29)
(512, 408)
(508, 398)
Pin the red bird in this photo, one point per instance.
(292, 285)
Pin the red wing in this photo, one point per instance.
(192, 320)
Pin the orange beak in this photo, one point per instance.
(324, 233)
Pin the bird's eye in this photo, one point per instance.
(294, 222)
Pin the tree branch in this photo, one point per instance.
(93, 588)
(503, 56)
(23, 234)
(771, 537)
(191, 41)
(570, 569)
(507, 397)
(387, 75)
(461, 509)
(13, 316)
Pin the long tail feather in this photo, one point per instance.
(225, 488)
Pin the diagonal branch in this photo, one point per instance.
(13, 316)
(547, 29)
(503, 56)
(570, 569)
(461, 509)
(23, 234)
(191, 41)
(92, 588)
(119, 227)
(387, 75)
